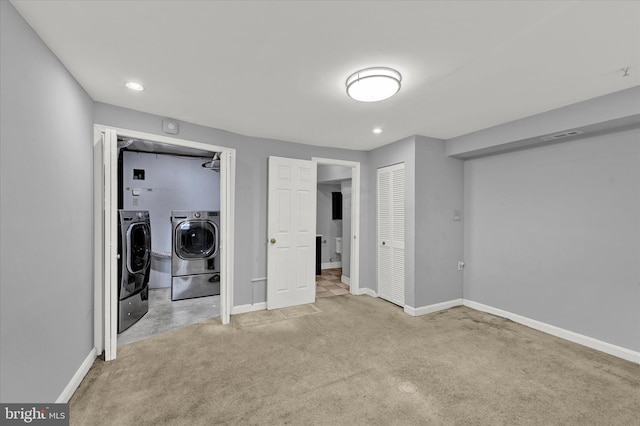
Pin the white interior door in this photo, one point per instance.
(110, 239)
(291, 232)
(391, 230)
(227, 201)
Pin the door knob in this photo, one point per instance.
(273, 241)
(383, 243)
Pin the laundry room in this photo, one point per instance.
(178, 189)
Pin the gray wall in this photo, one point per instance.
(331, 173)
(398, 152)
(438, 239)
(553, 234)
(46, 276)
(171, 183)
(325, 225)
(433, 241)
(603, 112)
(251, 191)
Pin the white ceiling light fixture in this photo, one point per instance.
(134, 86)
(373, 84)
(376, 130)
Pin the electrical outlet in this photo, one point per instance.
(460, 265)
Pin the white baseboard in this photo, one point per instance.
(365, 290)
(330, 265)
(75, 381)
(345, 280)
(423, 310)
(580, 339)
(243, 309)
(590, 342)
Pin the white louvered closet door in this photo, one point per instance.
(391, 233)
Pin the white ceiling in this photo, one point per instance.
(277, 69)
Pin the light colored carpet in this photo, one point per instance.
(356, 360)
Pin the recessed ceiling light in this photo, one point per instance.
(377, 130)
(134, 86)
(373, 84)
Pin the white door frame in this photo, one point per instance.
(354, 279)
(105, 228)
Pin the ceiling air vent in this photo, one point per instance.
(561, 135)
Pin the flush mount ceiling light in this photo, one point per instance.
(134, 86)
(373, 84)
(376, 130)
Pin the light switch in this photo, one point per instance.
(135, 192)
(457, 216)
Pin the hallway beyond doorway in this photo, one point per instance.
(328, 284)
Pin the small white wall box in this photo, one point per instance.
(170, 126)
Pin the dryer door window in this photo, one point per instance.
(196, 239)
(139, 247)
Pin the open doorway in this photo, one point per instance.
(337, 242)
(176, 281)
(333, 220)
(108, 229)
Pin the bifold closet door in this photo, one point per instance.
(391, 230)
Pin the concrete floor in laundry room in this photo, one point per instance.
(166, 315)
